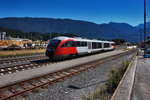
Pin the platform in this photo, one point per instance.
(135, 84)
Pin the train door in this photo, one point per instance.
(89, 47)
(110, 46)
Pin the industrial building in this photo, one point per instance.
(2, 35)
(148, 42)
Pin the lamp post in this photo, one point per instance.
(144, 29)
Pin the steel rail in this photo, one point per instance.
(23, 55)
(51, 78)
(22, 59)
(22, 67)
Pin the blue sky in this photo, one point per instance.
(97, 11)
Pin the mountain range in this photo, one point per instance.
(85, 29)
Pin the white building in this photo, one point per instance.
(17, 39)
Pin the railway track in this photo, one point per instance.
(22, 88)
(22, 67)
(35, 62)
(18, 56)
(23, 59)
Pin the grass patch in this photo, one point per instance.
(107, 89)
(99, 94)
(21, 52)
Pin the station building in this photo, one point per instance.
(148, 42)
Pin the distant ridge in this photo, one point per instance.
(81, 28)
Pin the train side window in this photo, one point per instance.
(78, 44)
(69, 44)
(85, 44)
(106, 45)
(73, 44)
(64, 45)
(82, 44)
(93, 45)
(99, 45)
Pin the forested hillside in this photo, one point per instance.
(33, 27)
(32, 35)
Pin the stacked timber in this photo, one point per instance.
(10, 42)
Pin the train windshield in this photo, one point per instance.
(53, 44)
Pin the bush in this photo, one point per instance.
(115, 76)
(106, 90)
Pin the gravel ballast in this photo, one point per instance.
(28, 74)
(78, 86)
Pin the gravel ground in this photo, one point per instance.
(78, 86)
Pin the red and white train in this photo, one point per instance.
(63, 47)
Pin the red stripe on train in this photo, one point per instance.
(65, 50)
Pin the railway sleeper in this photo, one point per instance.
(59, 76)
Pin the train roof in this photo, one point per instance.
(79, 39)
(61, 38)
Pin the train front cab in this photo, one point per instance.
(51, 47)
(64, 49)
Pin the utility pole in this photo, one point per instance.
(140, 37)
(144, 29)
